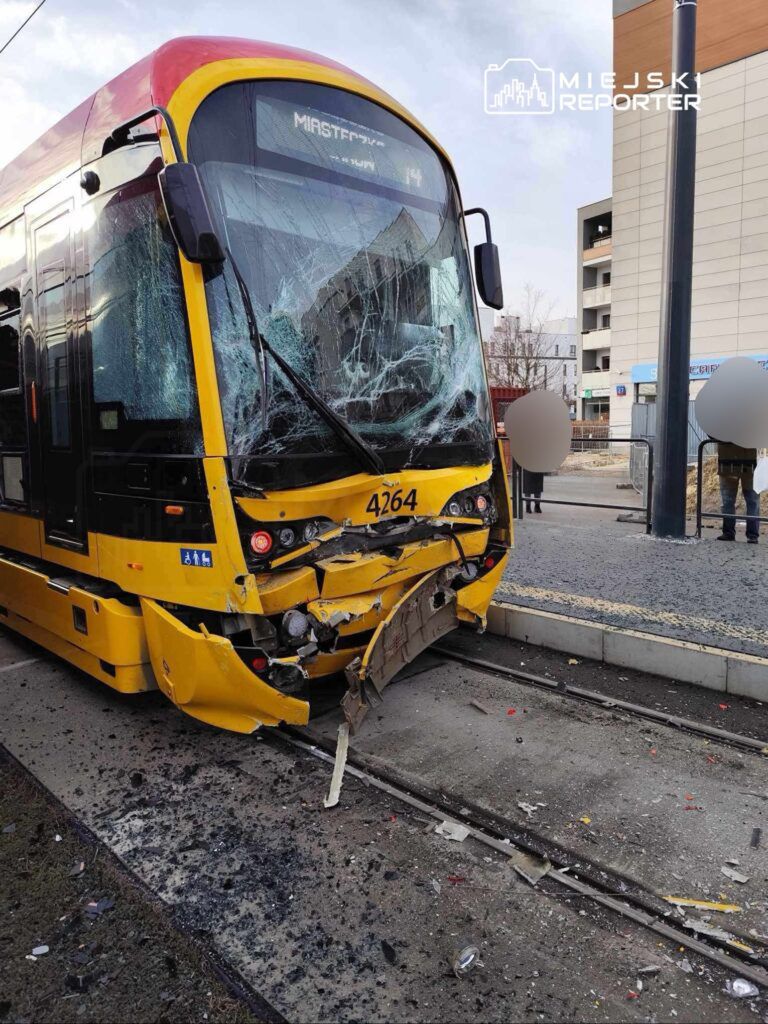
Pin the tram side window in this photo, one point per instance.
(143, 388)
(13, 433)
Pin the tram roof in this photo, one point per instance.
(79, 136)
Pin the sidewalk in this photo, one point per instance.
(582, 562)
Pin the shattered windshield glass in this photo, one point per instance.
(346, 227)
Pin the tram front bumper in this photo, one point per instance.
(202, 674)
(426, 612)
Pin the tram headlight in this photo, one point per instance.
(295, 626)
(470, 503)
(311, 531)
(287, 537)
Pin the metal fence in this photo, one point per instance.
(516, 474)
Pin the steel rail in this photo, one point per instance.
(564, 689)
(735, 961)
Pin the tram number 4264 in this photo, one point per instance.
(392, 501)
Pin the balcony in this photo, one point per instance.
(598, 382)
(600, 338)
(599, 249)
(594, 297)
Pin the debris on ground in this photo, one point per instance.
(452, 830)
(479, 706)
(740, 988)
(755, 840)
(735, 876)
(530, 809)
(530, 867)
(389, 952)
(95, 908)
(573, 661)
(685, 901)
(651, 969)
(84, 968)
(342, 747)
(464, 958)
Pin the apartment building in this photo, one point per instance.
(730, 273)
(594, 245)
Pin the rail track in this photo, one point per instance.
(554, 868)
(563, 689)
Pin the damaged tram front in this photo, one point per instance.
(316, 484)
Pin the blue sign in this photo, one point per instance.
(196, 558)
(621, 389)
(700, 369)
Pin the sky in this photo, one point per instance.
(530, 173)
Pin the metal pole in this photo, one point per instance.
(668, 516)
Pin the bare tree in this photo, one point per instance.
(520, 351)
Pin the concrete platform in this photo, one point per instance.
(587, 567)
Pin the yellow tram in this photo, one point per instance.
(245, 435)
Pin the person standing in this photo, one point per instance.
(533, 485)
(737, 465)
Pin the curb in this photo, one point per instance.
(711, 667)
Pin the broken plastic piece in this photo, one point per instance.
(735, 876)
(573, 661)
(342, 746)
(39, 950)
(585, 819)
(740, 988)
(452, 830)
(684, 901)
(530, 867)
(530, 809)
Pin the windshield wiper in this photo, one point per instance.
(346, 434)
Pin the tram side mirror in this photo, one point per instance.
(488, 275)
(188, 213)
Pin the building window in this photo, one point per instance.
(607, 277)
(573, 350)
(606, 320)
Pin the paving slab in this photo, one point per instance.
(335, 915)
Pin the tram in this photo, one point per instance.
(246, 442)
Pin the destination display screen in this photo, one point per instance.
(334, 143)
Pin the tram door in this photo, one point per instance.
(58, 408)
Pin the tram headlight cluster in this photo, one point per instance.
(273, 539)
(470, 503)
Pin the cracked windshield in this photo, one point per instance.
(346, 228)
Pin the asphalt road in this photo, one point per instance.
(352, 913)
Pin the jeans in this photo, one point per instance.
(729, 491)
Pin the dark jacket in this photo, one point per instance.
(733, 460)
(533, 483)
